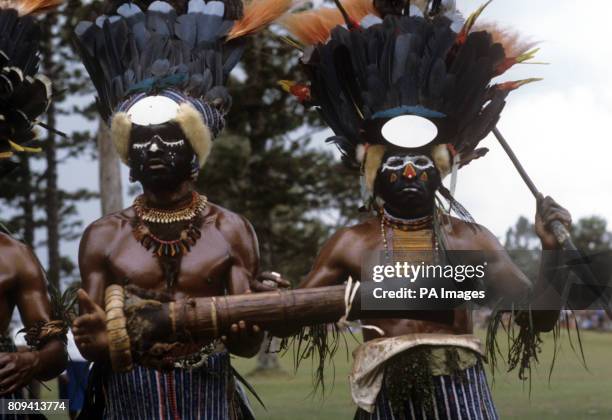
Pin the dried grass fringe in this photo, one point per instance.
(524, 343)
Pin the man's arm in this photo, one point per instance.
(47, 362)
(547, 212)
(510, 282)
(243, 339)
(328, 268)
(89, 328)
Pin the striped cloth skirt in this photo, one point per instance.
(206, 393)
(455, 398)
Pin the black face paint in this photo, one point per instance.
(408, 184)
(160, 156)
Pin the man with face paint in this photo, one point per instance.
(160, 157)
(25, 97)
(172, 243)
(418, 75)
(407, 183)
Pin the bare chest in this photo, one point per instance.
(203, 271)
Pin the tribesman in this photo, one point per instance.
(407, 90)
(160, 71)
(24, 96)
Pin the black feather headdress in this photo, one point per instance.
(426, 62)
(24, 94)
(170, 60)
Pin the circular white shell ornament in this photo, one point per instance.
(409, 131)
(153, 110)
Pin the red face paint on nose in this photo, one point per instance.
(409, 172)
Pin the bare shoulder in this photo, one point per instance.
(364, 227)
(18, 260)
(14, 252)
(238, 233)
(110, 223)
(361, 229)
(474, 236)
(351, 238)
(9, 244)
(100, 236)
(230, 223)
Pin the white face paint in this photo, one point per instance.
(420, 162)
(152, 144)
(409, 131)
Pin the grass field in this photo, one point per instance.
(573, 393)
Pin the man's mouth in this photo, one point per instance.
(412, 189)
(156, 163)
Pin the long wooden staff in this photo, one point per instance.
(564, 238)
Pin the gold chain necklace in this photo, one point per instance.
(196, 206)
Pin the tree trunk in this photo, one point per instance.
(111, 197)
(28, 205)
(51, 204)
(51, 193)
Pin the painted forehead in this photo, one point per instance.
(398, 161)
(404, 154)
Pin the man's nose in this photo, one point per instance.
(153, 147)
(409, 171)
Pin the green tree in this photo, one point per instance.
(522, 244)
(591, 234)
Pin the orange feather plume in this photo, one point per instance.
(314, 26)
(514, 44)
(257, 15)
(516, 48)
(28, 7)
(515, 84)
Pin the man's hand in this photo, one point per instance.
(548, 211)
(269, 281)
(89, 329)
(17, 370)
(243, 340)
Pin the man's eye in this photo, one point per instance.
(140, 146)
(173, 143)
(395, 162)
